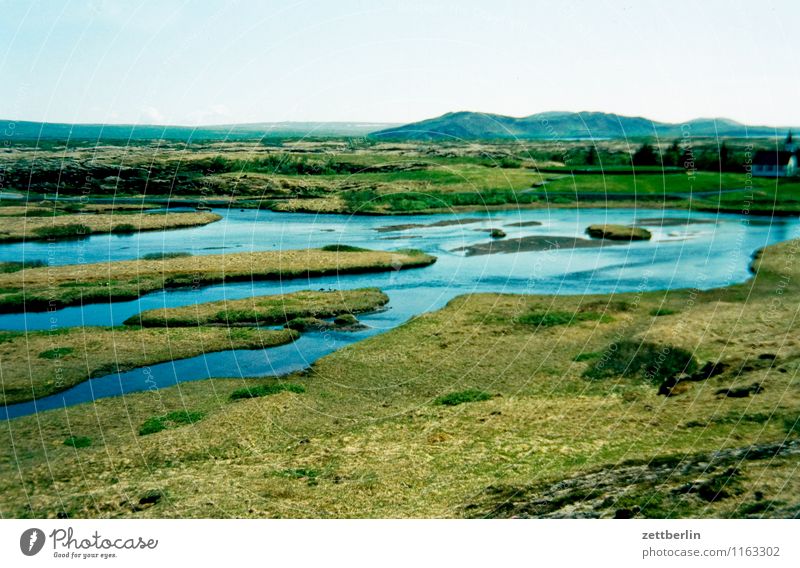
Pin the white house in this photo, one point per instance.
(777, 163)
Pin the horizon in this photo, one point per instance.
(211, 63)
(390, 123)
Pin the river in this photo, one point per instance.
(715, 251)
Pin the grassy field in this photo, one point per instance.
(529, 188)
(266, 310)
(19, 228)
(37, 364)
(369, 177)
(658, 404)
(58, 286)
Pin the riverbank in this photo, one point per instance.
(492, 400)
(266, 310)
(38, 364)
(20, 227)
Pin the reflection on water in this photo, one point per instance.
(702, 255)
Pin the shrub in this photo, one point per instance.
(305, 324)
(645, 156)
(509, 163)
(16, 266)
(78, 442)
(266, 390)
(151, 497)
(662, 312)
(552, 318)
(648, 361)
(124, 228)
(461, 397)
(343, 248)
(792, 425)
(56, 353)
(70, 207)
(170, 420)
(73, 230)
(164, 255)
(345, 320)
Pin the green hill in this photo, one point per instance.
(564, 125)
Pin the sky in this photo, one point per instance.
(221, 62)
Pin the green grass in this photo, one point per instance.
(581, 357)
(302, 307)
(266, 390)
(173, 419)
(407, 202)
(462, 397)
(56, 353)
(114, 281)
(652, 185)
(310, 475)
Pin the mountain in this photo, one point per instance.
(564, 125)
(24, 130)
(451, 126)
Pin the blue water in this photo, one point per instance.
(695, 255)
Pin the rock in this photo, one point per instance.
(618, 233)
(151, 497)
(741, 392)
(710, 369)
(497, 233)
(626, 513)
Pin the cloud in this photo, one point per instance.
(151, 115)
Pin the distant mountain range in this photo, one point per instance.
(24, 130)
(451, 126)
(565, 125)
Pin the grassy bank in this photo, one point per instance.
(658, 404)
(18, 228)
(266, 310)
(58, 286)
(38, 364)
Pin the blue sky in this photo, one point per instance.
(204, 62)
